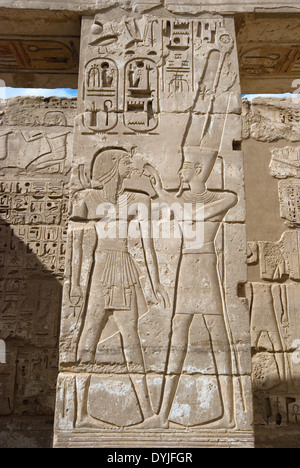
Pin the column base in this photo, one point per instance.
(78, 438)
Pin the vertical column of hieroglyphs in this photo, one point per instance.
(35, 144)
(155, 341)
(275, 266)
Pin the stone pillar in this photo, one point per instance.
(155, 347)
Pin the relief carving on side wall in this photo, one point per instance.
(117, 294)
(274, 304)
(34, 198)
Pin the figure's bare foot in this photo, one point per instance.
(224, 423)
(154, 422)
(87, 422)
(85, 357)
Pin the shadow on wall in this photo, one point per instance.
(275, 363)
(30, 303)
(277, 415)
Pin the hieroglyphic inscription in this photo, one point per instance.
(146, 66)
(46, 242)
(149, 321)
(289, 198)
(37, 202)
(141, 95)
(285, 162)
(34, 147)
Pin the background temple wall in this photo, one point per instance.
(271, 152)
(191, 6)
(35, 146)
(36, 137)
(35, 150)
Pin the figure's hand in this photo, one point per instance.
(162, 296)
(154, 176)
(76, 295)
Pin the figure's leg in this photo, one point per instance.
(222, 354)
(94, 323)
(82, 391)
(178, 348)
(127, 322)
(279, 356)
(95, 320)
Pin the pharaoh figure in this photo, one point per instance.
(114, 286)
(199, 289)
(198, 285)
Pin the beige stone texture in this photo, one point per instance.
(272, 180)
(186, 6)
(40, 44)
(271, 120)
(155, 346)
(153, 324)
(35, 155)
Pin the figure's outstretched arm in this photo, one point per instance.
(152, 265)
(157, 184)
(32, 136)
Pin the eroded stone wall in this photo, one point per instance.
(179, 6)
(272, 162)
(35, 152)
(155, 343)
(36, 137)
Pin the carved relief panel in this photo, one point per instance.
(158, 115)
(101, 95)
(141, 95)
(35, 149)
(138, 70)
(273, 292)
